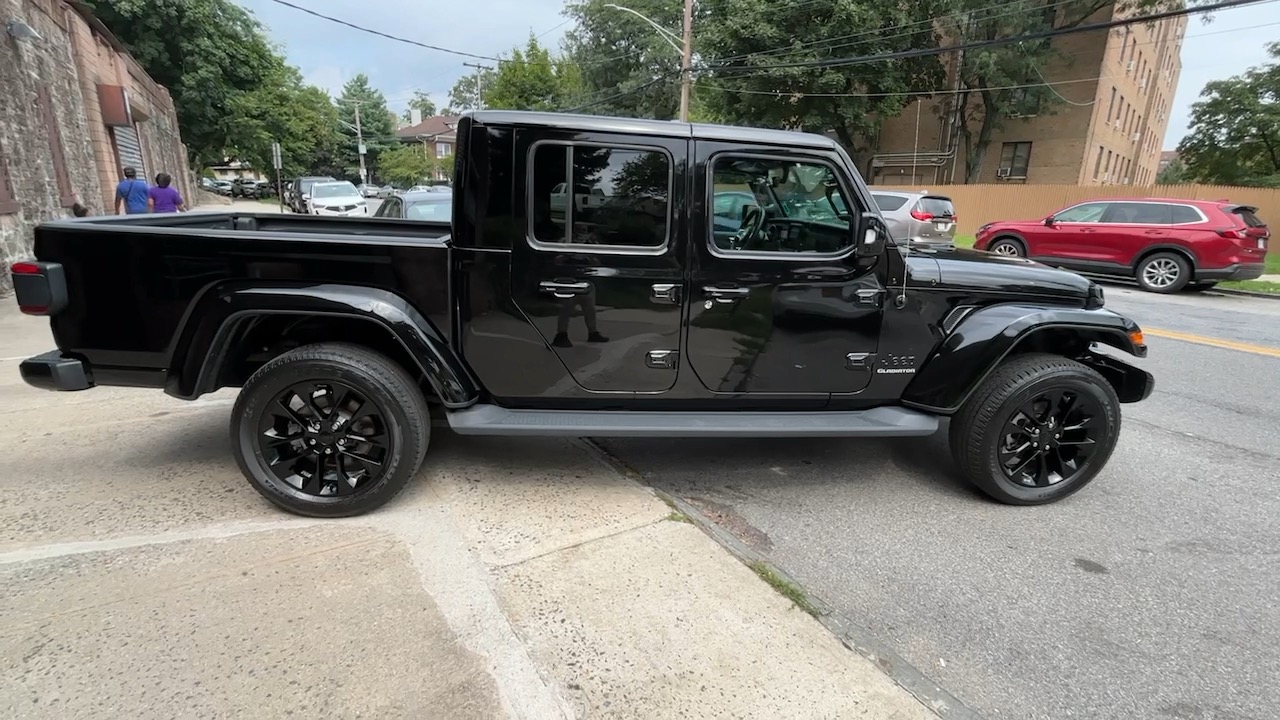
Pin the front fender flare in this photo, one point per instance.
(973, 349)
(203, 341)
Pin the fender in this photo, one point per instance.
(972, 350)
(1166, 247)
(203, 341)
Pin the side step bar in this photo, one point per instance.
(876, 422)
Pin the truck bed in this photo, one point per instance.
(133, 281)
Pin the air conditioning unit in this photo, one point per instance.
(1142, 85)
(1004, 172)
(1137, 136)
(1130, 66)
(1126, 181)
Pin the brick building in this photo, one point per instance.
(1116, 90)
(77, 109)
(437, 135)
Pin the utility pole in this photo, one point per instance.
(479, 82)
(686, 63)
(364, 174)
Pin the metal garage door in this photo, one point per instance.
(129, 149)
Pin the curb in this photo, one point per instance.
(1244, 293)
(853, 637)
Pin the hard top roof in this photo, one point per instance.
(659, 128)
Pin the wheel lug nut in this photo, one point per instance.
(312, 441)
(327, 451)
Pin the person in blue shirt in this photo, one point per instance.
(132, 193)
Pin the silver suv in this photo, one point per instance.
(918, 217)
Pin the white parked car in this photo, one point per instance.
(337, 199)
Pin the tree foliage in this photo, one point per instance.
(376, 127)
(625, 65)
(1175, 173)
(753, 35)
(1234, 136)
(405, 165)
(465, 93)
(422, 103)
(233, 92)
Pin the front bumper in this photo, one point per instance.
(54, 371)
(357, 212)
(1240, 271)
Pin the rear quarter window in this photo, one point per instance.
(1184, 214)
(889, 203)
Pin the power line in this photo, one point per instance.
(622, 94)
(379, 33)
(995, 42)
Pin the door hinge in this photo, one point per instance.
(665, 293)
(662, 359)
(859, 361)
(870, 296)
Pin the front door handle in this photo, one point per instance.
(725, 294)
(665, 293)
(564, 290)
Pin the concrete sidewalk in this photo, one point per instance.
(143, 578)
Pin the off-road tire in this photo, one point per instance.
(1168, 259)
(1020, 248)
(385, 383)
(975, 432)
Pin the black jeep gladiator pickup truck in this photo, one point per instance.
(601, 277)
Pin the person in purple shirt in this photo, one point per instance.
(163, 199)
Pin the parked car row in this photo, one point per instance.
(239, 187)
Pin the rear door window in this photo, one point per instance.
(889, 203)
(936, 206)
(1137, 213)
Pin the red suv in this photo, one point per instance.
(1166, 245)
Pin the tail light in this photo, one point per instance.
(921, 215)
(40, 287)
(1233, 234)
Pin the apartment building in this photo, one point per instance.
(1115, 89)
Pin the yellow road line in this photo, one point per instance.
(1214, 342)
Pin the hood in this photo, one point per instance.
(987, 272)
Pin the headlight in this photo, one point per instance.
(984, 228)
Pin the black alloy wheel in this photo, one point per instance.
(1039, 428)
(325, 438)
(1047, 440)
(330, 430)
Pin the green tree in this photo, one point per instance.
(422, 103)
(208, 53)
(300, 117)
(405, 165)
(626, 66)
(466, 92)
(377, 129)
(1175, 173)
(532, 79)
(754, 35)
(1234, 136)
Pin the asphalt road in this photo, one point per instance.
(1150, 594)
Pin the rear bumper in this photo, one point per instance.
(54, 371)
(1241, 271)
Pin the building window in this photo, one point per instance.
(1106, 169)
(1112, 105)
(8, 199)
(591, 195)
(443, 150)
(66, 196)
(1097, 163)
(1014, 159)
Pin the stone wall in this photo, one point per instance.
(28, 67)
(73, 57)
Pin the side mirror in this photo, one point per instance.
(1048, 222)
(870, 235)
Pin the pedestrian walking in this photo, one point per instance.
(131, 193)
(164, 199)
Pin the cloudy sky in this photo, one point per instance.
(330, 54)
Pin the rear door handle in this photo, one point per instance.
(725, 294)
(564, 290)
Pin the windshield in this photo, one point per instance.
(328, 190)
(306, 184)
(433, 210)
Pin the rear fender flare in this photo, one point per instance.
(975, 347)
(203, 342)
